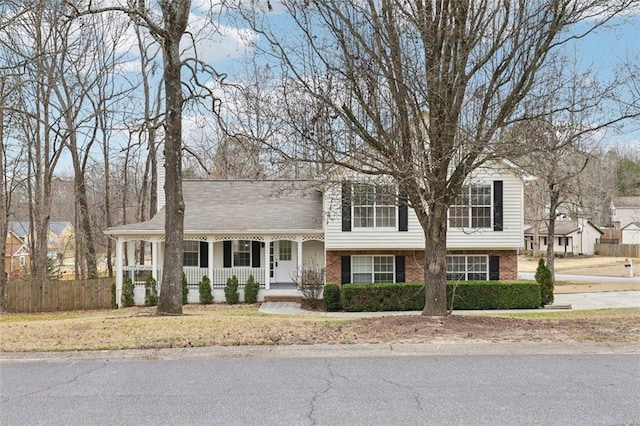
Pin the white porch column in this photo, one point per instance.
(299, 243)
(210, 261)
(154, 263)
(118, 271)
(131, 253)
(267, 264)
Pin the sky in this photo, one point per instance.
(226, 46)
(601, 52)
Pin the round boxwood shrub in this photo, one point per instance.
(331, 298)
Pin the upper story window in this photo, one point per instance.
(472, 208)
(374, 206)
(191, 253)
(241, 253)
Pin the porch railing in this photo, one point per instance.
(220, 275)
(137, 273)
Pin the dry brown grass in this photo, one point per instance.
(243, 325)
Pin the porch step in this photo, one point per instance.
(283, 298)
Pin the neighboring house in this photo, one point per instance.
(570, 237)
(60, 241)
(631, 233)
(355, 229)
(16, 256)
(625, 210)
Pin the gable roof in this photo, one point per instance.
(228, 206)
(626, 202)
(22, 229)
(563, 228)
(630, 224)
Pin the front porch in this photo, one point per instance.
(273, 261)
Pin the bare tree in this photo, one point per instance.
(420, 89)
(30, 45)
(168, 29)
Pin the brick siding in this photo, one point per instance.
(414, 262)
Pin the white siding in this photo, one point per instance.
(509, 238)
(512, 213)
(357, 239)
(313, 252)
(631, 234)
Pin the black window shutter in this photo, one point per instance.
(226, 245)
(400, 276)
(255, 254)
(403, 212)
(497, 205)
(346, 270)
(494, 268)
(204, 254)
(346, 206)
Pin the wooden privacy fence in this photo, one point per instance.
(38, 296)
(618, 250)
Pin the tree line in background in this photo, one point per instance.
(86, 116)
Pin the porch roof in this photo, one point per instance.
(241, 206)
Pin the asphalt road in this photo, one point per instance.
(309, 387)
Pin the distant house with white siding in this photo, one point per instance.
(355, 228)
(625, 210)
(570, 237)
(631, 233)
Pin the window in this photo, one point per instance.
(472, 208)
(241, 253)
(374, 206)
(467, 268)
(191, 253)
(285, 250)
(372, 269)
(22, 261)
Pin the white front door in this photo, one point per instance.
(284, 253)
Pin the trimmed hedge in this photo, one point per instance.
(468, 295)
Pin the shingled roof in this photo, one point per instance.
(228, 206)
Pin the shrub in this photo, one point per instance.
(114, 301)
(185, 289)
(310, 282)
(231, 290)
(469, 295)
(204, 287)
(544, 278)
(150, 291)
(126, 299)
(331, 298)
(251, 289)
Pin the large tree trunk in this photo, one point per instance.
(554, 198)
(176, 15)
(435, 265)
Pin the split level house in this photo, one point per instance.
(352, 227)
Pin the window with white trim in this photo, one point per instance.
(241, 253)
(467, 268)
(372, 269)
(191, 256)
(472, 208)
(374, 206)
